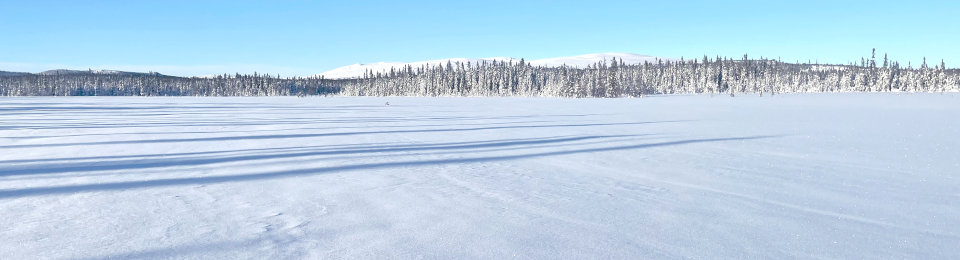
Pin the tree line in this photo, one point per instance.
(154, 84)
(612, 78)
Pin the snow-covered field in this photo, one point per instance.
(791, 176)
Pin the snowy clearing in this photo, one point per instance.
(790, 176)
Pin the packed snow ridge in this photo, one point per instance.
(580, 61)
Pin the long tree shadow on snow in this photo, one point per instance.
(183, 251)
(58, 107)
(342, 157)
(69, 189)
(275, 130)
(234, 122)
(192, 160)
(352, 120)
(287, 136)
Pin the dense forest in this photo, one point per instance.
(612, 78)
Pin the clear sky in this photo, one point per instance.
(309, 37)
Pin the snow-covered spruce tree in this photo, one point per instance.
(612, 78)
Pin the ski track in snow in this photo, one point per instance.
(789, 176)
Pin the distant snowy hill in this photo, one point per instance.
(581, 61)
(357, 70)
(10, 73)
(74, 72)
(77, 72)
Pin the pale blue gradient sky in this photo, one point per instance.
(309, 37)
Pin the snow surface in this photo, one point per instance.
(791, 176)
(581, 61)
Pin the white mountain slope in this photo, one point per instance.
(70, 72)
(582, 61)
(75, 72)
(357, 70)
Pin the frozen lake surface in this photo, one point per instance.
(790, 176)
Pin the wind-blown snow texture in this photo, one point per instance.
(789, 176)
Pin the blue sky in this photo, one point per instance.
(309, 37)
